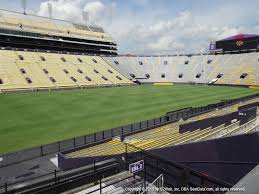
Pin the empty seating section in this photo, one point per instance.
(120, 64)
(103, 73)
(29, 23)
(54, 68)
(87, 70)
(36, 70)
(195, 68)
(31, 70)
(163, 136)
(74, 66)
(112, 74)
(11, 76)
(233, 66)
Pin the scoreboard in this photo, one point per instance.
(234, 44)
(213, 47)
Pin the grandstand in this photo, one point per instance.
(201, 68)
(43, 54)
(28, 26)
(22, 70)
(32, 58)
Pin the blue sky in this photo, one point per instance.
(156, 26)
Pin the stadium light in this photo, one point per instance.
(24, 6)
(85, 16)
(50, 10)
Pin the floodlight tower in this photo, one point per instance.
(24, 6)
(50, 10)
(85, 17)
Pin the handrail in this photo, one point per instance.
(110, 184)
(56, 178)
(153, 183)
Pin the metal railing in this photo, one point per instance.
(156, 186)
(57, 178)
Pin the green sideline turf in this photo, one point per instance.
(31, 119)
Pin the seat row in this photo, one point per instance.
(21, 70)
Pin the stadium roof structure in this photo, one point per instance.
(240, 36)
(19, 15)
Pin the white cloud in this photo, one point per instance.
(95, 10)
(62, 9)
(135, 32)
(99, 13)
(75, 11)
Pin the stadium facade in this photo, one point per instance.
(33, 32)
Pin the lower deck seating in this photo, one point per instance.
(22, 70)
(163, 136)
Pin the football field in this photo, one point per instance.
(32, 119)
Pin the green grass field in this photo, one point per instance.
(31, 119)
